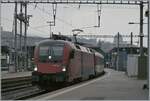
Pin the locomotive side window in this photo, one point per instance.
(72, 54)
(78, 47)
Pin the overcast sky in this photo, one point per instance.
(114, 19)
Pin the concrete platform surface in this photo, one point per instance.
(113, 85)
(16, 74)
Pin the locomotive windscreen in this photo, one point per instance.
(53, 53)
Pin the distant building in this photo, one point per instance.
(7, 47)
(105, 46)
(123, 53)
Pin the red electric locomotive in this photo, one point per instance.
(64, 61)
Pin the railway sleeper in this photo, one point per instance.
(15, 88)
(8, 85)
(18, 79)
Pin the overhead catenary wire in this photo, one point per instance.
(37, 30)
(41, 26)
(57, 18)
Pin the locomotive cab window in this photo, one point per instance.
(43, 53)
(56, 52)
(51, 53)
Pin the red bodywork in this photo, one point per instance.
(82, 65)
(51, 67)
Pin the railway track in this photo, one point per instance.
(15, 83)
(18, 88)
(21, 88)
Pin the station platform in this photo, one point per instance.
(113, 85)
(8, 75)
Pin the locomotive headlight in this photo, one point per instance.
(35, 69)
(64, 68)
(49, 57)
